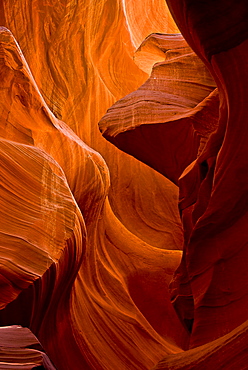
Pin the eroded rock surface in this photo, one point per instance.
(71, 271)
(91, 237)
(214, 210)
(20, 349)
(161, 123)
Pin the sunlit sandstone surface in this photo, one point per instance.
(129, 256)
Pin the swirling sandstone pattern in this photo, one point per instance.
(89, 242)
(94, 293)
(209, 289)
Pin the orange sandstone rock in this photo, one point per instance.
(81, 71)
(89, 245)
(167, 121)
(85, 305)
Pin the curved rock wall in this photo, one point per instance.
(83, 280)
(91, 236)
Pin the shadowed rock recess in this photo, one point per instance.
(123, 184)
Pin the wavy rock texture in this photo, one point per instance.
(228, 352)
(163, 118)
(209, 289)
(43, 223)
(50, 34)
(89, 246)
(74, 273)
(20, 349)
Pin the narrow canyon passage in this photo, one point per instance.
(123, 165)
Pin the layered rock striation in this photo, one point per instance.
(93, 248)
(71, 271)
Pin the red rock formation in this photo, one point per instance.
(162, 122)
(20, 349)
(98, 282)
(209, 289)
(228, 352)
(89, 245)
(50, 34)
(215, 249)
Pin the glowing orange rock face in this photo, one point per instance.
(93, 288)
(209, 289)
(89, 246)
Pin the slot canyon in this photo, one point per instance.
(123, 184)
